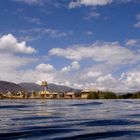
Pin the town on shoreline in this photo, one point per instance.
(44, 93)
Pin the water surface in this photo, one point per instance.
(70, 119)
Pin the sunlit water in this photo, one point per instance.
(70, 119)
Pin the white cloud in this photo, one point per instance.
(33, 75)
(45, 67)
(41, 32)
(91, 74)
(21, 71)
(104, 82)
(34, 2)
(94, 14)
(138, 16)
(105, 78)
(73, 66)
(13, 66)
(89, 33)
(66, 69)
(137, 25)
(79, 3)
(22, 68)
(79, 86)
(29, 38)
(107, 58)
(131, 79)
(106, 52)
(33, 20)
(12, 62)
(91, 15)
(131, 42)
(9, 61)
(56, 33)
(10, 43)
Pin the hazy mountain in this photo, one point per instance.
(8, 86)
(59, 88)
(51, 87)
(12, 87)
(30, 86)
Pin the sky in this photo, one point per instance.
(85, 44)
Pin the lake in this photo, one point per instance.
(70, 119)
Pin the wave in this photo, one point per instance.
(101, 135)
(87, 104)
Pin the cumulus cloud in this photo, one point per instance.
(13, 66)
(137, 25)
(91, 74)
(33, 75)
(131, 79)
(12, 62)
(73, 66)
(105, 59)
(11, 44)
(107, 52)
(79, 3)
(103, 82)
(45, 67)
(105, 78)
(17, 66)
(21, 71)
(73, 3)
(131, 42)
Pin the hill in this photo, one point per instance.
(51, 87)
(8, 86)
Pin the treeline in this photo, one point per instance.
(130, 96)
(111, 95)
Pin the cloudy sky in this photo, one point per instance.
(92, 44)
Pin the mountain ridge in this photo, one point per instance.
(6, 86)
(51, 87)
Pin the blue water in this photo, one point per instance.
(70, 119)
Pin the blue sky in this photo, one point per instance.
(91, 44)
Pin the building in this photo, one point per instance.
(45, 93)
(84, 95)
(18, 95)
(69, 95)
(56, 95)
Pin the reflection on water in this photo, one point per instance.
(70, 119)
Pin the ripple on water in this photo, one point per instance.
(101, 135)
(69, 119)
(87, 104)
(109, 122)
(12, 106)
(36, 132)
